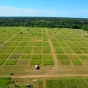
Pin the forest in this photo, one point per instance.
(49, 22)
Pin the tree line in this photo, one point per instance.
(50, 22)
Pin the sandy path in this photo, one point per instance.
(52, 50)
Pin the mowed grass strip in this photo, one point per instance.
(48, 62)
(11, 62)
(36, 62)
(1, 62)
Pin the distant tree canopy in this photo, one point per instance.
(50, 22)
(85, 27)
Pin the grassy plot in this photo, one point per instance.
(22, 44)
(22, 62)
(15, 43)
(27, 50)
(48, 62)
(25, 57)
(29, 43)
(1, 50)
(55, 44)
(38, 44)
(63, 59)
(83, 56)
(77, 51)
(36, 62)
(46, 50)
(15, 56)
(1, 62)
(11, 47)
(8, 50)
(4, 56)
(59, 51)
(73, 56)
(45, 44)
(68, 51)
(37, 50)
(17, 50)
(11, 62)
(66, 83)
(4, 81)
(85, 51)
(36, 56)
(47, 57)
(7, 43)
(76, 62)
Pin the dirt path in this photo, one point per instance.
(59, 75)
(52, 50)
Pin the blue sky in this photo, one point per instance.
(44, 8)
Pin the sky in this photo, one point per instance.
(44, 8)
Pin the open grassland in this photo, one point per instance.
(59, 82)
(57, 51)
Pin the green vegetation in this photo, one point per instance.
(36, 62)
(15, 56)
(3, 56)
(64, 61)
(47, 57)
(48, 62)
(42, 46)
(36, 57)
(43, 41)
(83, 56)
(11, 62)
(66, 83)
(1, 62)
(4, 81)
(76, 62)
(49, 22)
(25, 57)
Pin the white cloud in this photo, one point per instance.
(12, 11)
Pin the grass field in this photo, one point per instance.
(57, 51)
(59, 82)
